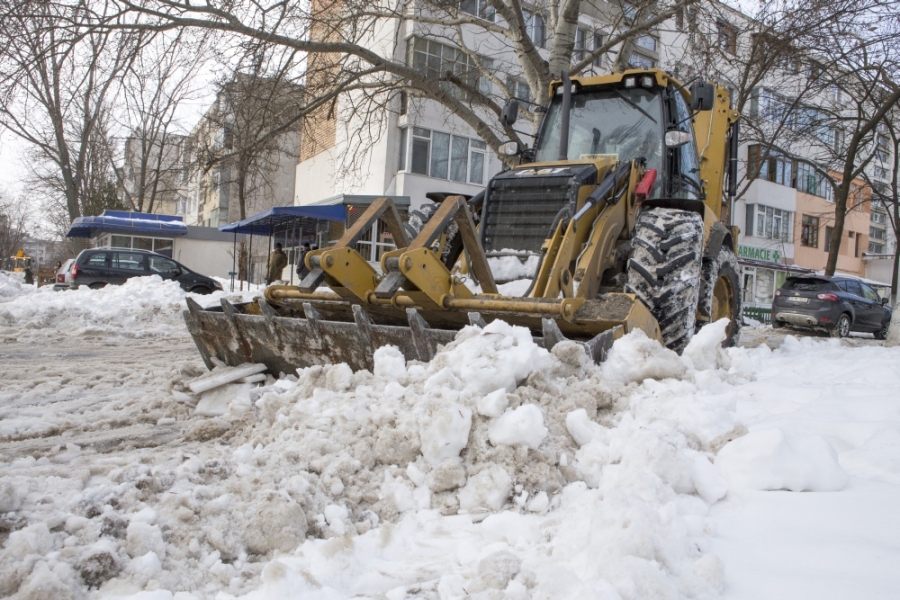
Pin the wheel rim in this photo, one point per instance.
(722, 300)
(844, 326)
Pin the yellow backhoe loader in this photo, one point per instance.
(621, 198)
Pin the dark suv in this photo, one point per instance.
(102, 266)
(836, 304)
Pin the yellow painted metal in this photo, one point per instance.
(711, 132)
(425, 270)
(599, 253)
(347, 268)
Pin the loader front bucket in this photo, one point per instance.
(304, 333)
(345, 309)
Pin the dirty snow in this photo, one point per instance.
(497, 470)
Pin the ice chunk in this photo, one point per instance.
(772, 459)
(635, 357)
(216, 402)
(523, 425)
(493, 404)
(488, 489)
(709, 483)
(705, 348)
(444, 431)
(389, 363)
(218, 378)
(582, 429)
(590, 460)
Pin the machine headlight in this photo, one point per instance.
(630, 82)
(676, 138)
(509, 149)
(647, 81)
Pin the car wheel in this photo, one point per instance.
(842, 327)
(97, 286)
(777, 324)
(882, 333)
(200, 289)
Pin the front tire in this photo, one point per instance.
(842, 327)
(882, 333)
(664, 270)
(720, 294)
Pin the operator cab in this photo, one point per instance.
(622, 121)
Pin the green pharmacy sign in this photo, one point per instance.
(764, 254)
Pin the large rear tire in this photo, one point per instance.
(720, 294)
(664, 270)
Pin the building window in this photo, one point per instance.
(578, 50)
(519, 89)
(534, 27)
(598, 42)
(764, 163)
(647, 42)
(809, 181)
(445, 156)
(828, 232)
(877, 232)
(436, 59)
(770, 106)
(679, 19)
(769, 223)
(479, 8)
(727, 37)
(880, 172)
(809, 231)
(639, 61)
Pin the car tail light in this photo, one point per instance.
(777, 292)
(824, 320)
(60, 278)
(828, 297)
(74, 270)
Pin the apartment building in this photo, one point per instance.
(785, 209)
(232, 175)
(153, 173)
(418, 145)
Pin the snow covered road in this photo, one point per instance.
(496, 471)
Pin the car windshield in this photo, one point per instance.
(625, 124)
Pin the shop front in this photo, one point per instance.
(763, 273)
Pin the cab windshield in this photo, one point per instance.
(625, 124)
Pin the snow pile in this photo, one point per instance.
(140, 307)
(12, 285)
(771, 459)
(496, 470)
(509, 268)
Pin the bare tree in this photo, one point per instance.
(343, 43)
(154, 160)
(14, 219)
(57, 78)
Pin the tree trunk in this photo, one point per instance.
(893, 336)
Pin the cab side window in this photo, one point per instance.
(687, 164)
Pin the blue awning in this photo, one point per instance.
(127, 223)
(265, 223)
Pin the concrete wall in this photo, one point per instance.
(856, 222)
(207, 257)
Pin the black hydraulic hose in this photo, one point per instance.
(733, 163)
(564, 125)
